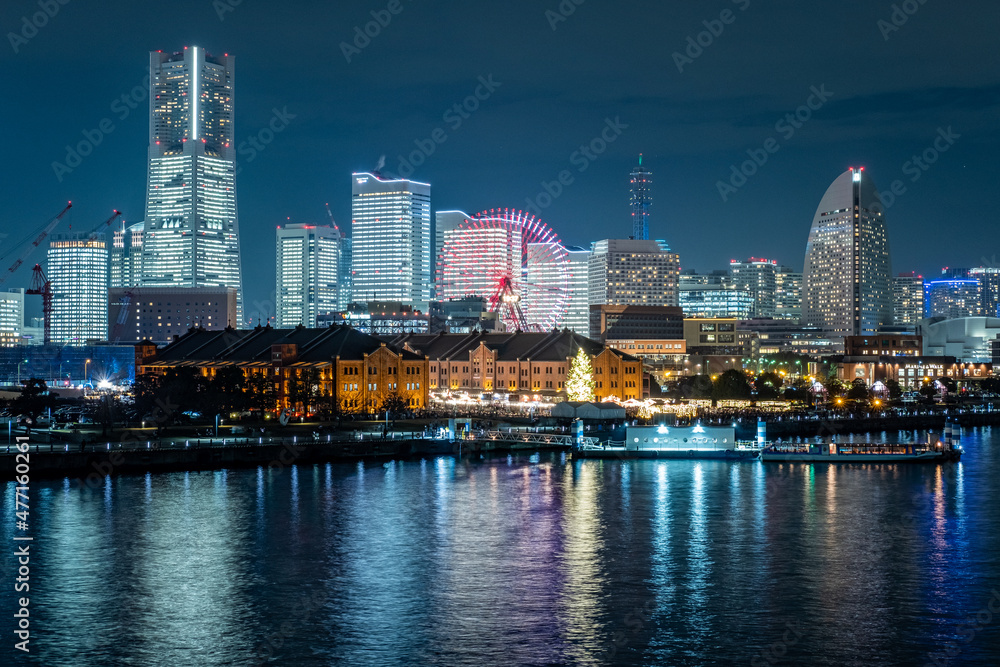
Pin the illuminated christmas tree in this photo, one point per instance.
(580, 379)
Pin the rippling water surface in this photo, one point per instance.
(519, 561)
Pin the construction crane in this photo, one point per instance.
(106, 223)
(42, 286)
(34, 244)
(332, 221)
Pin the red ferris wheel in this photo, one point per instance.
(515, 262)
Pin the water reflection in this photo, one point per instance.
(510, 562)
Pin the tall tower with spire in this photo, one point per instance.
(641, 182)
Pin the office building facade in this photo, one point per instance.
(78, 272)
(578, 307)
(125, 258)
(959, 297)
(392, 247)
(191, 228)
(756, 276)
(907, 299)
(306, 273)
(445, 224)
(11, 317)
(624, 272)
(787, 294)
(989, 286)
(160, 314)
(716, 301)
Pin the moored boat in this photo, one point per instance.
(946, 448)
(853, 453)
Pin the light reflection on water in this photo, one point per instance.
(515, 561)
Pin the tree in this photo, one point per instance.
(393, 403)
(694, 386)
(145, 391)
(33, 400)
(580, 379)
(895, 390)
(731, 385)
(260, 392)
(834, 387)
(227, 391)
(858, 390)
(768, 384)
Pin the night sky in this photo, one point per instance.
(894, 88)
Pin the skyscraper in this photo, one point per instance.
(78, 271)
(625, 272)
(578, 308)
(444, 223)
(787, 294)
(756, 276)
(192, 234)
(956, 297)
(391, 231)
(126, 256)
(907, 299)
(11, 317)
(640, 184)
(306, 273)
(846, 281)
(989, 284)
(345, 280)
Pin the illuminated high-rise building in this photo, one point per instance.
(192, 233)
(756, 276)
(989, 285)
(953, 298)
(578, 307)
(640, 187)
(345, 280)
(846, 281)
(125, 263)
(445, 223)
(11, 317)
(306, 274)
(626, 272)
(787, 294)
(907, 299)
(391, 232)
(77, 267)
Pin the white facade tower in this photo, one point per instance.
(847, 288)
(192, 233)
(392, 247)
(306, 274)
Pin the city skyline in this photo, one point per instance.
(690, 138)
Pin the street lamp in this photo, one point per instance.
(216, 426)
(19, 371)
(87, 363)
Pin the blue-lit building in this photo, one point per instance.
(640, 185)
(953, 297)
